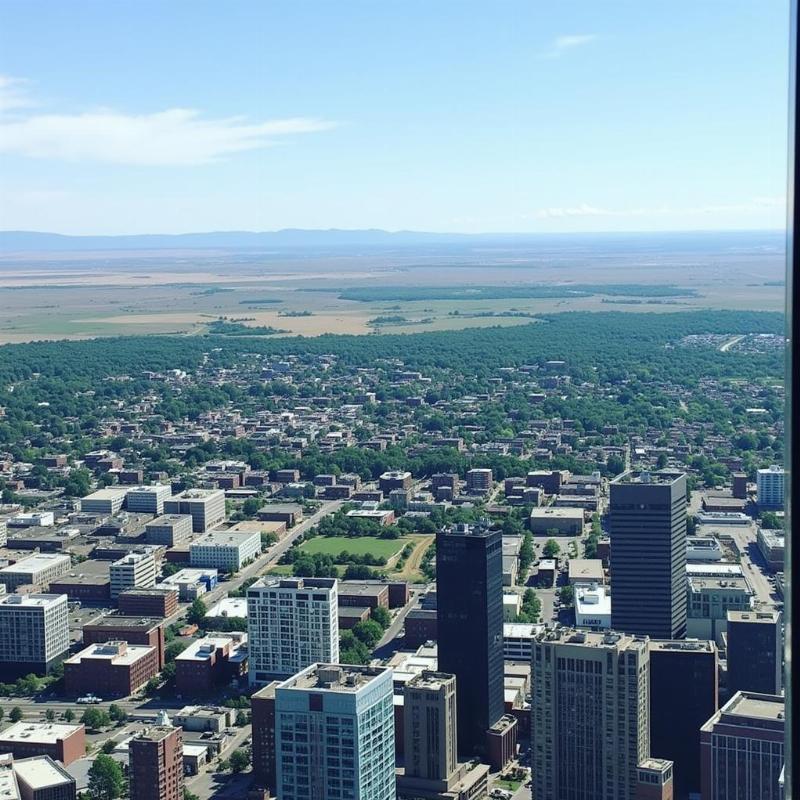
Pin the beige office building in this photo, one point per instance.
(133, 571)
(590, 714)
(431, 768)
(206, 507)
(430, 729)
(36, 570)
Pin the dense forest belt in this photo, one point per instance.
(369, 294)
(594, 345)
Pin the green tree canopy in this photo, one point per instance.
(106, 780)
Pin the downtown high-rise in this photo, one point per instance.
(334, 734)
(291, 624)
(469, 586)
(648, 554)
(589, 714)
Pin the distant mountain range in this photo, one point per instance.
(298, 238)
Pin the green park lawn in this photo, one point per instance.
(356, 545)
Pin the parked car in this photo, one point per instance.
(89, 700)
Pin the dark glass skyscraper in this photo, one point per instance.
(648, 554)
(469, 583)
(755, 646)
(684, 690)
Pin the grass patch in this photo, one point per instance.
(281, 569)
(510, 786)
(356, 545)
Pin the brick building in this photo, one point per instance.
(156, 764)
(112, 669)
(154, 602)
(133, 630)
(209, 662)
(64, 743)
(262, 705)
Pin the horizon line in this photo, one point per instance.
(392, 232)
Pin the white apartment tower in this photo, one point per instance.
(291, 623)
(770, 485)
(334, 734)
(34, 632)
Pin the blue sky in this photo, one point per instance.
(502, 115)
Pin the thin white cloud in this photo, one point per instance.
(13, 94)
(561, 44)
(583, 210)
(173, 137)
(587, 210)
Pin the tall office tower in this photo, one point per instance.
(469, 589)
(430, 726)
(770, 485)
(742, 750)
(334, 732)
(648, 554)
(291, 624)
(654, 780)
(156, 764)
(684, 684)
(589, 714)
(262, 706)
(755, 643)
(34, 633)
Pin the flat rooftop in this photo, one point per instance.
(427, 679)
(682, 646)
(106, 494)
(198, 494)
(203, 649)
(521, 630)
(81, 580)
(592, 600)
(362, 589)
(154, 733)
(557, 511)
(755, 706)
(37, 561)
(118, 653)
(229, 607)
(333, 678)
(41, 772)
(657, 478)
(151, 592)
(754, 617)
(294, 583)
(31, 600)
(201, 711)
(8, 783)
(584, 638)
(169, 519)
(714, 569)
(225, 538)
(38, 732)
(590, 569)
(114, 621)
(729, 582)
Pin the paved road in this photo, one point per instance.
(210, 784)
(389, 643)
(267, 559)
